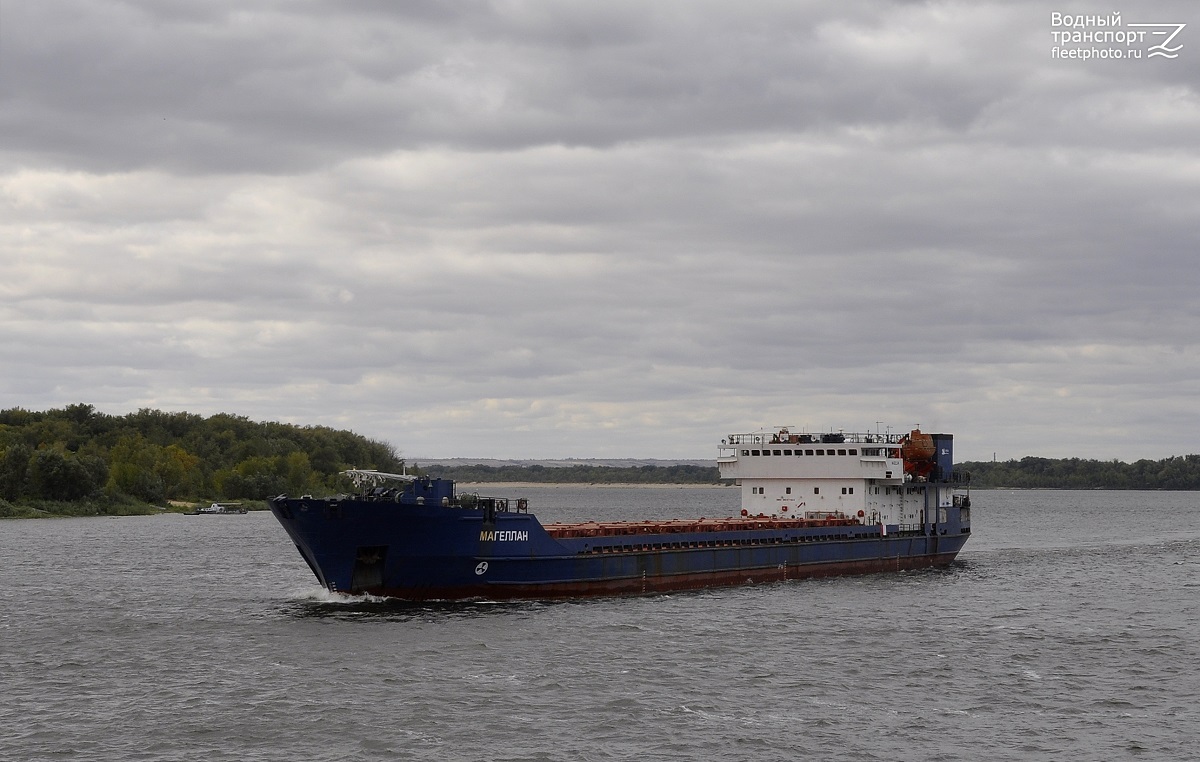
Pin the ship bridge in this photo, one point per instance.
(783, 455)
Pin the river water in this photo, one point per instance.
(1067, 630)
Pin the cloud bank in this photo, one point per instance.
(511, 229)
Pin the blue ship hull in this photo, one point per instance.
(390, 547)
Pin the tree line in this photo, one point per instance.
(579, 474)
(1174, 473)
(79, 454)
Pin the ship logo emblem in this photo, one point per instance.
(481, 569)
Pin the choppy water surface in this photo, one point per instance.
(1067, 631)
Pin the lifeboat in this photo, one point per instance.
(919, 454)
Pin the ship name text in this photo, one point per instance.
(512, 535)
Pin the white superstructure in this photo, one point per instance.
(887, 479)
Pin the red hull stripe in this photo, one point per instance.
(662, 584)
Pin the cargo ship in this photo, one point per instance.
(812, 505)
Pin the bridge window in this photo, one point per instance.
(816, 490)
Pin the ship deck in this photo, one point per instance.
(679, 526)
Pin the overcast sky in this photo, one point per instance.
(605, 229)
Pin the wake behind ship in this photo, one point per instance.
(812, 505)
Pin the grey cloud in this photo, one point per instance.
(523, 229)
(287, 86)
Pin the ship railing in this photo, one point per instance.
(786, 437)
(490, 504)
(955, 479)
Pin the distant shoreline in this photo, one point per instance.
(467, 486)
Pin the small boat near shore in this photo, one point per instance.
(812, 505)
(218, 509)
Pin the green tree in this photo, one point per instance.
(179, 471)
(299, 474)
(132, 471)
(14, 471)
(53, 475)
(255, 478)
(151, 454)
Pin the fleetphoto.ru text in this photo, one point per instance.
(1107, 36)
